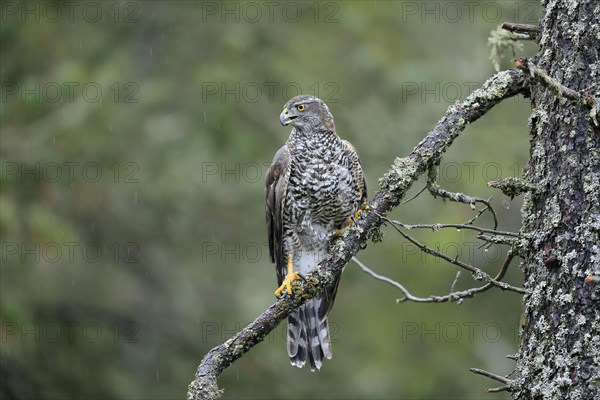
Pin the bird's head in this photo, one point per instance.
(307, 112)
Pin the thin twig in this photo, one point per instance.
(479, 214)
(509, 384)
(478, 274)
(407, 295)
(490, 375)
(452, 296)
(454, 282)
(504, 388)
(524, 31)
(496, 239)
(436, 190)
(435, 227)
(415, 196)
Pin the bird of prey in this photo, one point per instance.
(314, 187)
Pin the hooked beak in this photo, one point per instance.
(286, 117)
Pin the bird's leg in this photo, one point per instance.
(289, 278)
(348, 224)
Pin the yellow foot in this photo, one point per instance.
(340, 232)
(357, 214)
(287, 283)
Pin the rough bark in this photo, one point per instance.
(394, 185)
(560, 337)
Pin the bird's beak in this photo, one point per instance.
(286, 117)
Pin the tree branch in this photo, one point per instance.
(490, 375)
(435, 227)
(559, 90)
(456, 296)
(525, 31)
(504, 388)
(478, 274)
(512, 187)
(394, 185)
(509, 384)
(437, 190)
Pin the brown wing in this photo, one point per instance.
(276, 185)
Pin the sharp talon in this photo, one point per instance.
(286, 285)
(357, 214)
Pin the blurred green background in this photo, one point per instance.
(135, 137)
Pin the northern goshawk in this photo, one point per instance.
(314, 187)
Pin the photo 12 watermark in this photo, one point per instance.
(126, 172)
(318, 12)
(69, 332)
(69, 252)
(454, 332)
(473, 171)
(452, 12)
(54, 12)
(70, 92)
(234, 172)
(271, 91)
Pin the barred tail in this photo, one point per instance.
(308, 336)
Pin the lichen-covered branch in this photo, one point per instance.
(559, 90)
(394, 185)
(511, 187)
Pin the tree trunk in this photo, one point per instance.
(560, 349)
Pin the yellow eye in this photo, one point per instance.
(300, 107)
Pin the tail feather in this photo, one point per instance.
(323, 330)
(308, 336)
(315, 353)
(296, 339)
